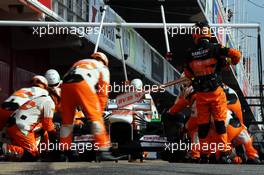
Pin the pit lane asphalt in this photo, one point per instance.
(148, 167)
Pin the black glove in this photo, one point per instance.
(53, 136)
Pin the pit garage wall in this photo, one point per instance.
(17, 66)
(4, 80)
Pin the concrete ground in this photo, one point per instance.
(149, 167)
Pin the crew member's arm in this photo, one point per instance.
(231, 53)
(234, 104)
(179, 104)
(103, 87)
(48, 112)
(47, 122)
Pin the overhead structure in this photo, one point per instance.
(122, 24)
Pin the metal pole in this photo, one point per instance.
(119, 37)
(115, 24)
(260, 75)
(252, 97)
(235, 21)
(100, 28)
(226, 10)
(165, 29)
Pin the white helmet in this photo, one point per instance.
(101, 57)
(39, 80)
(53, 77)
(137, 83)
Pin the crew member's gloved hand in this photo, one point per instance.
(229, 61)
(53, 137)
(187, 91)
(53, 134)
(57, 126)
(234, 55)
(165, 115)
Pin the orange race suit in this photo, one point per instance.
(17, 99)
(233, 103)
(34, 114)
(236, 131)
(86, 86)
(189, 101)
(203, 66)
(237, 135)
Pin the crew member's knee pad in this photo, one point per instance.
(220, 127)
(66, 131)
(97, 127)
(203, 130)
